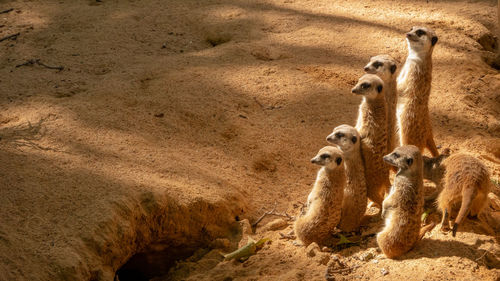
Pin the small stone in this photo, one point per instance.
(384, 271)
(297, 243)
(312, 249)
(326, 249)
(324, 258)
(375, 261)
(366, 256)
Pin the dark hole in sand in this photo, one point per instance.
(146, 265)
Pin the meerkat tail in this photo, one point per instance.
(425, 229)
(431, 146)
(467, 196)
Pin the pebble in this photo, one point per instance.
(384, 271)
(312, 249)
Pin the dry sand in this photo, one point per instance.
(172, 119)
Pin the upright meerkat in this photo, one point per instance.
(372, 127)
(325, 200)
(402, 208)
(414, 88)
(354, 203)
(384, 66)
(465, 181)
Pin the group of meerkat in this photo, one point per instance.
(392, 130)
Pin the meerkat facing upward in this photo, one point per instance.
(466, 182)
(324, 201)
(402, 208)
(354, 202)
(384, 66)
(372, 128)
(414, 88)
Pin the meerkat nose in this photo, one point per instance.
(408, 35)
(366, 68)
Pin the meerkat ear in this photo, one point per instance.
(379, 88)
(393, 68)
(409, 161)
(354, 139)
(434, 40)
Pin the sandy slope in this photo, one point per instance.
(153, 133)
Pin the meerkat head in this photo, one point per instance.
(345, 137)
(421, 40)
(329, 157)
(432, 164)
(369, 86)
(382, 65)
(406, 158)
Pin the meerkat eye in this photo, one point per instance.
(377, 64)
(338, 160)
(420, 32)
(339, 135)
(365, 85)
(409, 161)
(354, 139)
(324, 156)
(396, 155)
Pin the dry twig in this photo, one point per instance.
(37, 61)
(7, 11)
(272, 213)
(330, 271)
(12, 36)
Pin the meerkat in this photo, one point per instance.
(465, 181)
(414, 88)
(434, 171)
(384, 66)
(354, 203)
(402, 208)
(323, 203)
(372, 127)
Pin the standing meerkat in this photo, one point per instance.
(414, 88)
(465, 181)
(323, 203)
(354, 203)
(402, 208)
(384, 66)
(372, 127)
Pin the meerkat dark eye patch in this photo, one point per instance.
(354, 139)
(393, 68)
(365, 85)
(324, 156)
(338, 160)
(409, 161)
(377, 64)
(434, 40)
(396, 155)
(339, 135)
(379, 88)
(420, 32)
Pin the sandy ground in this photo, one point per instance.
(172, 119)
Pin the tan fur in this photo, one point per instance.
(402, 208)
(384, 66)
(414, 88)
(348, 140)
(434, 171)
(372, 127)
(323, 203)
(466, 182)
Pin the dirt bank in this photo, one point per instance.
(171, 118)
